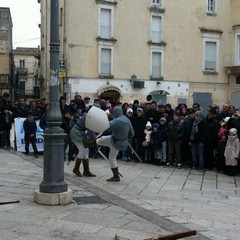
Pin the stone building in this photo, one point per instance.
(126, 50)
(6, 57)
(26, 68)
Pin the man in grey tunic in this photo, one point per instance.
(122, 130)
(76, 134)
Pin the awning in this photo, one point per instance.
(107, 87)
(160, 92)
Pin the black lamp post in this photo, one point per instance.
(53, 176)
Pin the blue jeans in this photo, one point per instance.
(198, 155)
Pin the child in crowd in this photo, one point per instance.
(147, 143)
(30, 129)
(232, 152)
(156, 143)
(223, 127)
(219, 156)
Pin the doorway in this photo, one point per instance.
(111, 96)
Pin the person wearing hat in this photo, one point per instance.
(232, 152)
(87, 101)
(197, 140)
(30, 130)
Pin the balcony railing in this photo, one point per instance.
(22, 71)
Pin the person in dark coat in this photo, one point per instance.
(30, 130)
(7, 120)
(175, 133)
(21, 109)
(156, 143)
(211, 134)
(139, 123)
(197, 139)
(66, 125)
(163, 132)
(219, 156)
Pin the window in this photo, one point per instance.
(211, 6)
(157, 3)
(211, 51)
(156, 65)
(237, 50)
(106, 61)
(22, 63)
(210, 56)
(105, 28)
(156, 29)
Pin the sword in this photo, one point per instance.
(135, 152)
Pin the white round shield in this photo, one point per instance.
(97, 120)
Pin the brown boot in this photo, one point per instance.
(86, 171)
(77, 166)
(115, 177)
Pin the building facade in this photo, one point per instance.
(6, 57)
(126, 50)
(26, 71)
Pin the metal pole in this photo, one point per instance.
(53, 175)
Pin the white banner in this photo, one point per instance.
(19, 133)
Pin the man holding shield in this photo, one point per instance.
(122, 130)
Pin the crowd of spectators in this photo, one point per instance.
(164, 135)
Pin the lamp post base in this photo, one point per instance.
(62, 198)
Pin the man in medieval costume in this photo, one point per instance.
(122, 130)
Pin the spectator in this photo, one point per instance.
(175, 132)
(156, 143)
(232, 151)
(30, 130)
(139, 125)
(219, 156)
(36, 113)
(21, 109)
(212, 128)
(163, 133)
(197, 139)
(7, 120)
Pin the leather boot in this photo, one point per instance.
(77, 166)
(86, 171)
(115, 177)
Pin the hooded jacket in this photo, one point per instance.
(121, 129)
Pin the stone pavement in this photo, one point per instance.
(149, 201)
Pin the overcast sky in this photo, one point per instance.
(25, 17)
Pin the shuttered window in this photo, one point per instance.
(156, 29)
(156, 64)
(210, 56)
(106, 56)
(105, 23)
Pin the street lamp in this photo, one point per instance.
(53, 190)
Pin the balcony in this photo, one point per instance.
(22, 71)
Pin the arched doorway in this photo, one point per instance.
(110, 93)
